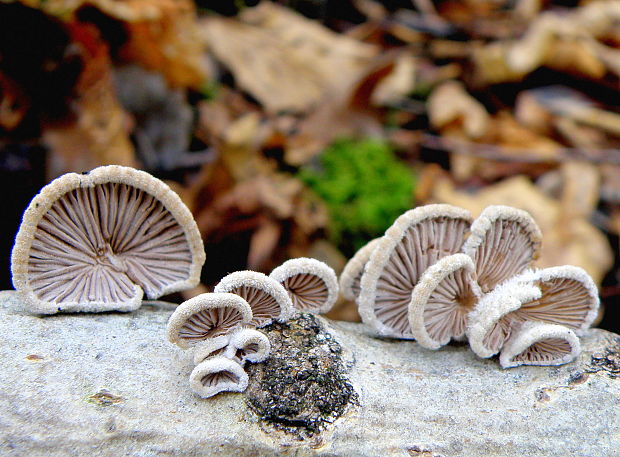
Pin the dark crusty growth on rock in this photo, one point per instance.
(607, 361)
(302, 387)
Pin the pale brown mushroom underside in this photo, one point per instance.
(507, 250)
(95, 243)
(544, 351)
(306, 291)
(421, 246)
(210, 323)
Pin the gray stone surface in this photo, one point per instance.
(110, 385)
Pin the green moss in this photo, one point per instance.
(365, 188)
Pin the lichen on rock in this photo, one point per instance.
(303, 386)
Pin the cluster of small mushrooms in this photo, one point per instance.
(221, 326)
(436, 276)
(102, 240)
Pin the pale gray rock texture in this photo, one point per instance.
(111, 385)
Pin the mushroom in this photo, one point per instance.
(491, 322)
(351, 276)
(564, 295)
(416, 240)
(97, 241)
(266, 296)
(218, 374)
(249, 345)
(311, 284)
(569, 297)
(441, 301)
(211, 347)
(537, 343)
(503, 242)
(207, 316)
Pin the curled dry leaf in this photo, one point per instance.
(450, 103)
(284, 60)
(540, 344)
(416, 240)
(267, 298)
(95, 242)
(218, 374)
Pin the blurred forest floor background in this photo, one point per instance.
(304, 128)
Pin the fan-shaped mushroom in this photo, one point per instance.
(569, 297)
(491, 322)
(503, 242)
(415, 241)
(218, 374)
(311, 284)
(248, 345)
(537, 343)
(564, 295)
(351, 276)
(442, 300)
(95, 242)
(266, 296)
(207, 316)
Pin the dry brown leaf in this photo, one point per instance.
(450, 104)
(99, 135)
(162, 34)
(284, 60)
(573, 241)
(263, 243)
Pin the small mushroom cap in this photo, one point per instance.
(212, 347)
(311, 284)
(569, 297)
(249, 345)
(351, 277)
(207, 316)
(442, 300)
(490, 323)
(537, 343)
(416, 240)
(266, 296)
(95, 242)
(503, 243)
(218, 374)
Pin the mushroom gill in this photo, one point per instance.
(218, 374)
(503, 242)
(537, 343)
(494, 317)
(311, 284)
(441, 301)
(416, 240)
(207, 316)
(569, 297)
(267, 298)
(94, 242)
(248, 345)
